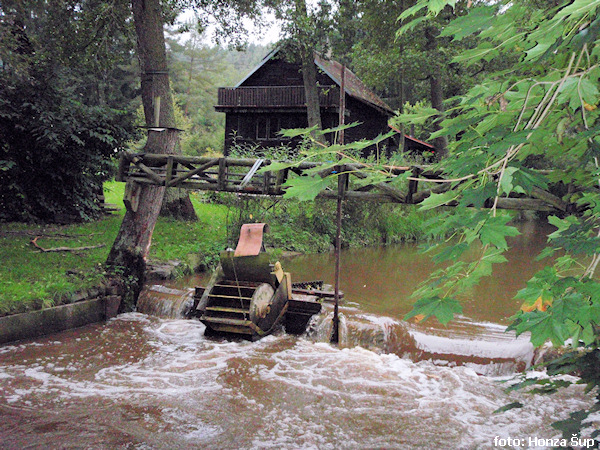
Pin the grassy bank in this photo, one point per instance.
(31, 279)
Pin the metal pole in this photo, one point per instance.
(335, 335)
(342, 112)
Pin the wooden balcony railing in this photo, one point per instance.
(274, 96)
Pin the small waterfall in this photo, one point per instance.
(484, 347)
(376, 333)
(161, 301)
(320, 327)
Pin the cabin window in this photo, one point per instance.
(267, 128)
(288, 122)
(245, 128)
(274, 127)
(262, 128)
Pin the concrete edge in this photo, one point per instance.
(34, 324)
(85, 307)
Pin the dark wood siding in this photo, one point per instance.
(261, 129)
(272, 98)
(276, 72)
(372, 123)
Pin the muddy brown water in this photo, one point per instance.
(142, 382)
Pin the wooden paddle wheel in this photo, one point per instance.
(248, 296)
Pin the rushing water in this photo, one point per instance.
(141, 381)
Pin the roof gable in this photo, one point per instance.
(353, 86)
(266, 59)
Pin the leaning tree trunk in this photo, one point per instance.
(132, 245)
(309, 75)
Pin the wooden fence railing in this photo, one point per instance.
(273, 96)
(242, 176)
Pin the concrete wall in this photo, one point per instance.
(93, 306)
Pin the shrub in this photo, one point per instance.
(55, 150)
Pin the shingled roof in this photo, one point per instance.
(352, 84)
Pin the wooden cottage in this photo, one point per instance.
(271, 98)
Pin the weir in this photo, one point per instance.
(483, 347)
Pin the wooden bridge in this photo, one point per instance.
(243, 176)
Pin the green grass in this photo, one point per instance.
(31, 280)
(196, 243)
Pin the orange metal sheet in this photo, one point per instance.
(251, 239)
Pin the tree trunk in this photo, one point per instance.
(309, 76)
(437, 99)
(437, 96)
(132, 245)
(177, 204)
(311, 91)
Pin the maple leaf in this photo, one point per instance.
(539, 304)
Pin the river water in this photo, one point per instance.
(142, 382)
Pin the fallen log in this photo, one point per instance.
(63, 249)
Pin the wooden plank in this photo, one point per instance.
(123, 167)
(169, 173)
(413, 185)
(396, 194)
(524, 204)
(222, 180)
(191, 173)
(548, 198)
(389, 190)
(158, 159)
(251, 172)
(149, 172)
(316, 292)
(266, 182)
(280, 178)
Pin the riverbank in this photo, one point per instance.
(34, 278)
(45, 266)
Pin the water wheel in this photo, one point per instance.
(247, 296)
(246, 308)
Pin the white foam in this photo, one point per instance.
(279, 392)
(520, 349)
